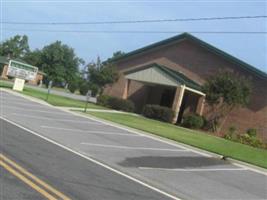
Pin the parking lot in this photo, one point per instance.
(164, 165)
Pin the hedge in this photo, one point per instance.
(193, 121)
(103, 100)
(158, 112)
(116, 103)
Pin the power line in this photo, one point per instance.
(137, 21)
(137, 31)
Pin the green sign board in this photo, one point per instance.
(21, 70)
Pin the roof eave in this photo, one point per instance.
(210, 47)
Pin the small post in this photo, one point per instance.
(88, 95)
(48, 90)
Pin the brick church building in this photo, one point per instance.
(170, 73)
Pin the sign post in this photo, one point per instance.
(49, 89)
(88, 95)
(21, 72)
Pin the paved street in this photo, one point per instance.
(72, 175)
(119, 159)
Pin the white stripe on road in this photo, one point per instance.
(15, 100)
(94, 161)
(42, 111)
(28, 104)
(135, 148)
(94, 132)
(60, 120)
(194, 170)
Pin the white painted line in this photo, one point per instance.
(134, 148)
(94, 132)
(15, 100)
(95, 161)
(42, 111)
(153, 137)
(194, 170)
(28, 104)
(53, 119)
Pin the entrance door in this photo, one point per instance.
(167, 97)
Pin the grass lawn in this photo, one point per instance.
(53, 99)
(194, 138)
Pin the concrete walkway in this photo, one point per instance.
(62, 93)
(57, 92)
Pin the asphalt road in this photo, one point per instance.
(170, 168)
(14, 189)
(70, 174)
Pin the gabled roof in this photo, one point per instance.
(175, 76)
(211, 48)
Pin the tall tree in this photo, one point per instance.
(115, 55)
(60, 62)
(100, 74)
(17, 45)
(224, 92)
(34, 58)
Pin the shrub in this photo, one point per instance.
(120, 104)
(231, 133)
(252, 141)
(84, 87)
(248, 138)
(73, 87)
(115, 103)
(252, 132)
(158, 112)
(193, 121)
(103, 100)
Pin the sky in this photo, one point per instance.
(251, 48)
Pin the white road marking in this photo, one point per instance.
(135, 148)
(194, 170)
(94, 132)
(94, 161)
(53, 119)
(27, 104)
(15, 100)
(147, 135)
(42, 111)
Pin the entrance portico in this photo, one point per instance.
(168, 88)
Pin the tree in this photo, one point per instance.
(60, 63)
(17, 45)
(100, 74)
(34, 58)
(224, 92)
(115, 55)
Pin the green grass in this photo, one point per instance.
(53, 99)
(194, 138)
(5, 84)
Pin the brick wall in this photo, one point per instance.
(198, 63)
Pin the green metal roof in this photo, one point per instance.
(211, 48)
(177, 76)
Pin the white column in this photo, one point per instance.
(178, 98)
